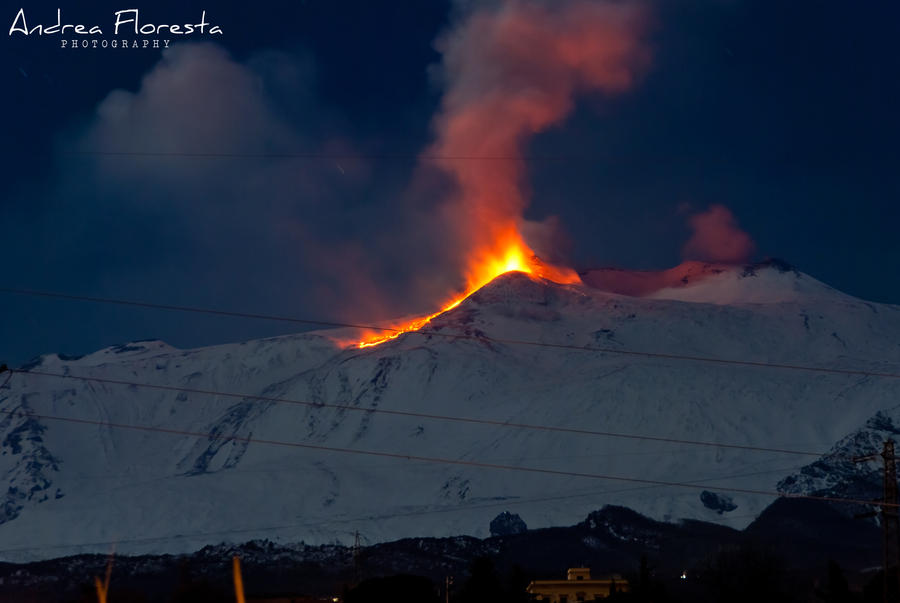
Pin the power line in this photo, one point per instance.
(193, 309)
(408, 413)
(513, 502)
(460, 336)
(336, 156)
(519, 501)
(436, 460)
(343, 520)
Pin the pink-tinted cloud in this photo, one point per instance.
(717, 237)
(511, 70)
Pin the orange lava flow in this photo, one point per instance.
(515, 256)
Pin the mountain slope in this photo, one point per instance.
(87, 485)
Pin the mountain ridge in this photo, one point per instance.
(171, 492)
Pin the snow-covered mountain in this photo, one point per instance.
(79, 487)
(853, 467)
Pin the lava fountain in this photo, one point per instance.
(514, 256)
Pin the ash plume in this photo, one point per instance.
(717, 237)
(511, 70)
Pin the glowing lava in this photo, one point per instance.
(516, 256)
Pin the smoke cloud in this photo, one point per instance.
(717, 237)
(240, 226)
(511, 71)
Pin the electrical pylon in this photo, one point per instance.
(890, 522)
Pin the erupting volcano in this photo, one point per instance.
(288, 415)
(517, 257)
(511, 71)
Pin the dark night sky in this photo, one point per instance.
(784, 112)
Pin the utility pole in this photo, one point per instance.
(448, 583)
(357, 561)
(890, 523)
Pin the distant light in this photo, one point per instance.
(684, 575)
(335, 599)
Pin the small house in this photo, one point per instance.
(578, 586)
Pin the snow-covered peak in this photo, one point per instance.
(296, 438)
(133, 350)
(772, 281)
(521, 289)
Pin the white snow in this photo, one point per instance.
(163, 492)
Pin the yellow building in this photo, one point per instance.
(578, 586)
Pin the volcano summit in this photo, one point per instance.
(274, 438)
